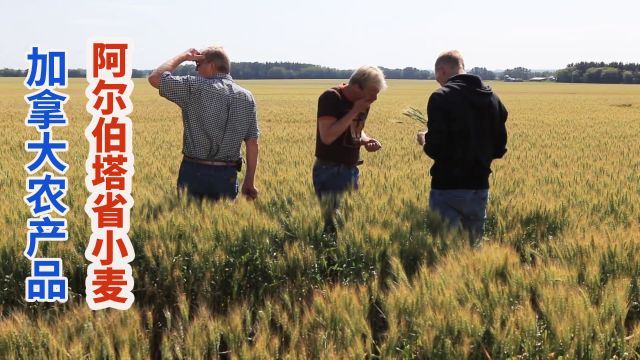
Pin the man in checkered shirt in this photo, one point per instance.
(218, 115)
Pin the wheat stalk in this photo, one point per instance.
(416, 115)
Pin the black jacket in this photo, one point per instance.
(466, 131)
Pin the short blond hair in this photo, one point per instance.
(368, 75)
(218, 56)
(451, 58)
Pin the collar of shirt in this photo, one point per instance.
(221, 76)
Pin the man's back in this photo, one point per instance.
(466, 123)
(217, 113)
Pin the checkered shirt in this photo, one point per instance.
(217, 114)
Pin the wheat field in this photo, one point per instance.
(557, 277)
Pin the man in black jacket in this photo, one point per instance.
(465, 133)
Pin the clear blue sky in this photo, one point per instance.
(496, 34)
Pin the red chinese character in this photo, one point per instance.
(109, 213)
(109, 56)
(111, 136)
(109, 282)
(108, 91)
(115, 183)
(108, 242)
(97, 167)
(113, 171)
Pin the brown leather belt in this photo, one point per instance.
(333, 163)
(210, 162)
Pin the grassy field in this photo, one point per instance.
(558, 276)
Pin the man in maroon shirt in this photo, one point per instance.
(342, 111)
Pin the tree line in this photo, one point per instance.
(72, 73)
(582, 72)
(289, 70)
(517, 73)
(257, 70)
(600, 72)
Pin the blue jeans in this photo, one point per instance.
(330, 181)
(207, 181)
(466, 208)
(333, 178)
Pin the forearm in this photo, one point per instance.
(331, 133)
(436, 138)
(170, 65)
(501, 132)
(434, 146)
(252, 160)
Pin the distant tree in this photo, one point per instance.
(309, 72)
(576, 76)
(483, 73)
(545, 73)
(392, 73)
(409, 73)
(593, 75)
(136, 73)
(519, 72)
(13, 73)
(278, 72)
(185, 69)
(77, 73)
(564, 75)
(611, 75)
(601, 72)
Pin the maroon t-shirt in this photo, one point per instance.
(342, 150)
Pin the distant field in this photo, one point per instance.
(558, 275)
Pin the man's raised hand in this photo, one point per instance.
(362, 105)
(192, 55)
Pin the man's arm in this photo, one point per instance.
(331, 128)
(248, 185)
(171, 64)
(435, 139)
(501, 132)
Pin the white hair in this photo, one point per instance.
(368, 75)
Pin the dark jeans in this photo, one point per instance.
(207, 181)
(330, 181)
(466, 208)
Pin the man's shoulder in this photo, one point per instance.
(331, 93)
(242, 93)
(241, 89)
(334, 91)
(168, 74)
(439, 94)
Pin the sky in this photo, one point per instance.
(496, 34)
